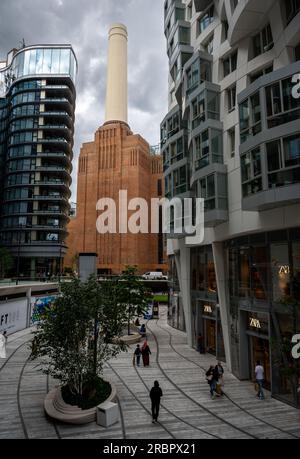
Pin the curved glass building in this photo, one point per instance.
(37, 105)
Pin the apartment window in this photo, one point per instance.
(184, 37)
(250, 117)
(225, 28)
(282, 107)
(263, 41)
(283, 157)
(193, 76)
(230, 64)
(297, 52)
(205, 20)
(189, 11)
(201, 145)
(251, 172)
(209, 45)
(292, 8)
(207, 191)
(198, 110)
(260, 73)
(231, 98)
(231, 142)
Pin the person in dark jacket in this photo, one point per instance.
(137, 354)
(155, 395)
(212, 377)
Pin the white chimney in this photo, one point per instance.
(117, 84)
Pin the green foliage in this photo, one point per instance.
(132, 294)
(6, 262)
(95, 393)
(75, 336)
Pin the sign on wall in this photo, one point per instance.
(39, 305)
(13, 315)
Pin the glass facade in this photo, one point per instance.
(264, 289)
(38, 127)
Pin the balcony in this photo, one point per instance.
(247, 18)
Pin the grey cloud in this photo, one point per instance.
(85, 25)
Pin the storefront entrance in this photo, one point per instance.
(260, 351)
(210, 336)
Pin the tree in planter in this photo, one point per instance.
(6, 262)
(74, 337)
(132, 294)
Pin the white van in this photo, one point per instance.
(154, 275)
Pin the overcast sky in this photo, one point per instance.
(85, 24)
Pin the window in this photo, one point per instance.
(260, 73)
(206, 191)
(201, 145)
(198, 110)
(184, 35)
(189, 12)
(250, 117)
(205, 20)
(225, 28)
(230, 64)
(209, 45)
(251, 172)
(297, 52)
(231, 142)
(283, 157)
(231, 98)
(292, 8)
(281, 106)
(193, 77)
(262, 42)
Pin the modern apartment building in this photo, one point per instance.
(37, 104)
(232, 137)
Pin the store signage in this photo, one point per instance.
(296, 348)
(255, 323)
(13, 315)
(285, 269)
(208, 309)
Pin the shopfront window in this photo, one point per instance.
(296, 270)
(259, 273)
(281, 271)
(244, 272)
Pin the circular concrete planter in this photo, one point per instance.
(131, 339)
(57, 409)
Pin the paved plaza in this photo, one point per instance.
(187, 411)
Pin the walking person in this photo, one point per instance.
(212, 377)
(137, 355)
(145, 354)
(221, 381)
(155, 395)
(3, 341)
(260, 377)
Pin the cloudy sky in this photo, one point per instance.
(85, 24)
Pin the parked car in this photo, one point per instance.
(154, 275)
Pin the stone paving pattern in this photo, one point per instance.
(187, 411)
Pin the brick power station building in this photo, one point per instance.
(116, 160)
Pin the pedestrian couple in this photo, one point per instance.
(215, 379)
(3, 341)
(144, 353)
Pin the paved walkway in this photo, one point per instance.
(187, 412)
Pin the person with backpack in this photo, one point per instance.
(212, 378)
(155, 395)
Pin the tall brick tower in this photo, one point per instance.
(116, 160)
